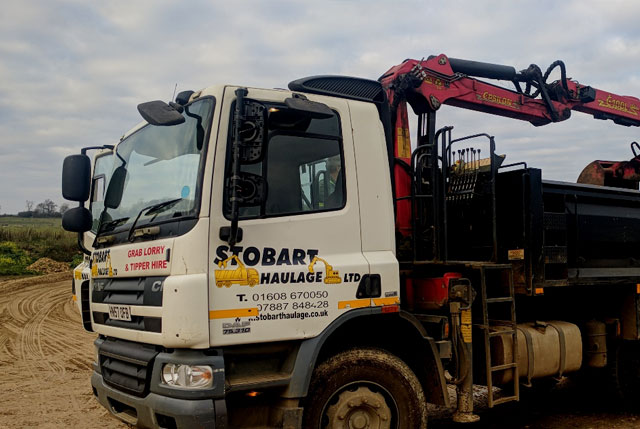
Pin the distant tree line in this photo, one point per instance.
(47, 208)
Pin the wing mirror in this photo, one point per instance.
(77, 219)
(298, 114)
(113, 197)
(308, 109)
(76, 178)
(252, 189)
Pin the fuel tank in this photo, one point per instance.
(545, 349)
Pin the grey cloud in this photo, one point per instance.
(72, 72)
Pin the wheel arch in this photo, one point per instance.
(399, 333)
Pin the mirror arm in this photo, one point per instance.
(84, 150)
(235, 170)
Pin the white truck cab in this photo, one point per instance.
(182, 310)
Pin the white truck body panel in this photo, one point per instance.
(291, 299)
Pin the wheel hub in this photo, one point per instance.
(359, 409)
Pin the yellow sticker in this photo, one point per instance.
(404, 143)
(465, 325)
(619, 105)
(232, 313)
(354, 303)
(516, 254)
(242, 276)
(386, 301)
(496, 99)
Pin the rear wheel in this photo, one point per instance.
(624, 372)
(365, 389)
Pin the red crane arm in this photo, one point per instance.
(623, 110)
(428, 84)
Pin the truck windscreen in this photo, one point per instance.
(161, 163)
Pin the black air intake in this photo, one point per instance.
(127, 366)
(341, 86)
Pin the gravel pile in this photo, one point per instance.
(48, 266)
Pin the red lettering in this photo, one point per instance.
(147, 251)
(159, 264)
(131, 253)
(154, 250)
(136, 266)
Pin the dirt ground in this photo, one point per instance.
(565, 406)
(45, 366)
(45, 358)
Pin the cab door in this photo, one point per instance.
(300, 262)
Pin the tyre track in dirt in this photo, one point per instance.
(45, 358)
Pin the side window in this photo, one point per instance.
(302, 167)
(318, 180)
(303, 175)
(97, 187)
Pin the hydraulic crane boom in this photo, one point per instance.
(428, 84)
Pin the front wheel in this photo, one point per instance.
(365, 389)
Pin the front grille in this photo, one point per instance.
(127, 366)
(139, 291)
(129, 291)
(138, 323)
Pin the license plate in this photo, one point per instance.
(120, 312)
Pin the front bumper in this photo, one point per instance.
(158, 411)
(126, 381)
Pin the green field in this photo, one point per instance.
(34, 222)
(25, 240)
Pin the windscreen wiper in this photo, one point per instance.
(152, 209)
(106, 226)
(110, 225)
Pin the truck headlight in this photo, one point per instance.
(187, 376)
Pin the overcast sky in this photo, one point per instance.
(72, 72)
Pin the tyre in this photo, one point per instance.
(624, 373)
(365, 388)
